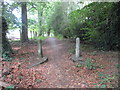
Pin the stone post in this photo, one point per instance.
(77, 47)
(77, 57)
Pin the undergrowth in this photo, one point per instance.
(7, 57)
(60, 37)
(105, 81)
(89, 64)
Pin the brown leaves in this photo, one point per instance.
(59, 71)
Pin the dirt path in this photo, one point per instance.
(56, 52)
(57, 69)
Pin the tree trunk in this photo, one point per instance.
(31, 34)
(24, 36)
(48, 32)
(36, 34)
(40, 54)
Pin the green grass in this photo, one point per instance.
(18, 40)
(40, 38)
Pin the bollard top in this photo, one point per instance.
(77, 38)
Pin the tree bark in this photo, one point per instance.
(40, 12)
(48, 32)
(40, 53)
(24, 34)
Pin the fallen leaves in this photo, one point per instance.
(59, 71)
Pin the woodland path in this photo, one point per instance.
(59, 71)
(58, 68)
